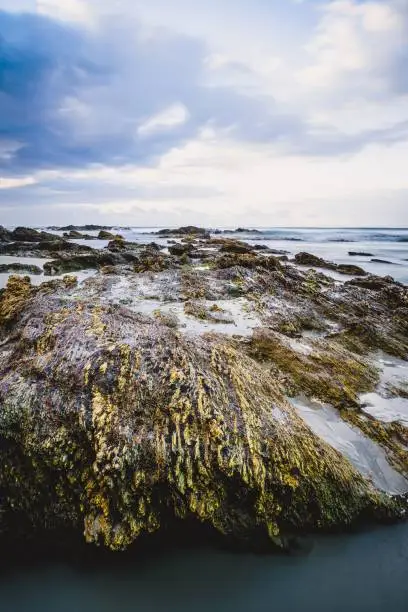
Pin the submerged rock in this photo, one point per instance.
(113, 424)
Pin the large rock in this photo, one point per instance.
(95, 260)
(307, 259)
(26, 234)
(80, 228)
(112, 424)
(47, 249)
(188, 230)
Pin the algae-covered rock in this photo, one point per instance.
(113, 424)
(104, 235)
(307, 259)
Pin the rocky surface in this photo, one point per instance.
(190, 386)
(75, 235)
(189, 230)
(20, 268)
(45, 248)
(80, 228)
(306, 259)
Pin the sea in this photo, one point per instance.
(360, 572)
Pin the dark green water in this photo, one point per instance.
(367, 572)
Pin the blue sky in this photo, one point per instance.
(150, 112)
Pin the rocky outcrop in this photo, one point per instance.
(115, 423)
(112, 424)
(188, 230)
(26, 234)
(80, 228)
(86, 262)
(306, 259)
(20, 268)
(46, 249)
(75, 235)
(104, 235)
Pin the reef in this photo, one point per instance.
(165, 388)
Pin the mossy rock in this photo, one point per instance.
(111, 422)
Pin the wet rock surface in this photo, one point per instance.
(20, 268)
(46, 248)
(167, 387)
(306, 259)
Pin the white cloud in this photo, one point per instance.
(13, 183)
(78, 11)
(335, 69)
(171, 117)
(355, 39)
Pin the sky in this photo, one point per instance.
(211, 112)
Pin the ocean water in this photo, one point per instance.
(365, 572)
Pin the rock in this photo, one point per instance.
(180, 249)
(250, 261)
(80, 228)
(20, 268)
(236, 247)
(26, 234)
(244, 230)
(75, 235)
(135, 425)
(151, 260)
(263, 247)
(360, 254)
(307, 259)
(189, 230)
(351, 270)
(43, 249)
(104, 235)
(383, 261)
(95, 260)
(5, 235)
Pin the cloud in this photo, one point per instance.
(70, 97)
(234, 108)
(358, 48)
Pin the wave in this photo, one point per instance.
(323, 235)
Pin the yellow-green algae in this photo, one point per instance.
(334, 375)
(119, 423)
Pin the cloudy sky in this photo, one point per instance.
(227, 112)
